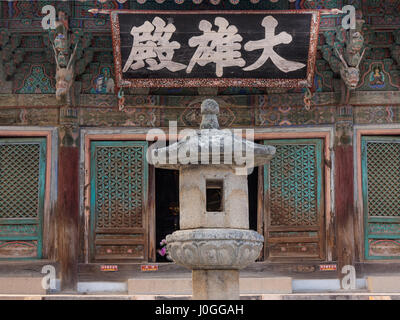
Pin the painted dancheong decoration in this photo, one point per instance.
(65, 72)
(72, 54)
(350, 75)
(64, 77)
(344, 53)
(217, 48)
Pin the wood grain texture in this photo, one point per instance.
(151, 214)
(68, 217)
(344, 196)
(260, 207)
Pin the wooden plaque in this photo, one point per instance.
(214, 48)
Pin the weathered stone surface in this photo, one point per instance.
(214, 241)
(160, 286)
(183, 285)
(211, 147)
(273, 285)
(215, 285)
(192, 192)
(383, 284)
(21, 285)
(209, 110)
(214, 248)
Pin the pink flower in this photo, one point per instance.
(164, 251)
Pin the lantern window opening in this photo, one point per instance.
(214, 195)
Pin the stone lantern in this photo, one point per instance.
(214, 239)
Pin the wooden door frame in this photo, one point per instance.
(42, 142)
(320, 228)
(50, 194)
(329, 232)
(117, 134)
(93, 180)
(149, 205)
(359, 225)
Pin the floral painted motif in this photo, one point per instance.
(37, 82)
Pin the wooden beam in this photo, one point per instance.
(265, 221)
(260, 207)
(151, 214)
(68, 216)
(344, 199)
(357, 98)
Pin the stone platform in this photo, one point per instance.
(293, 296)
(21, 285)
(383, 284)
(183, 286)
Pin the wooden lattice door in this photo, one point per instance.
(293, 183)
(118, 200)
(22, 190)
(381, 196)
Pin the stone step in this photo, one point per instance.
(21, 285)
(383, 284)
(183, 286)
(293, 296)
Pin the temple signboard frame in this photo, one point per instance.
(214, 48)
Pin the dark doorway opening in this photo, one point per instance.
(252, 184)
(167, 207)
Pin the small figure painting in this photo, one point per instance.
(104, 83)
(377, 78)
(318, 83)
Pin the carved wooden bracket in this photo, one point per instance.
(69, 65)
(11, 55)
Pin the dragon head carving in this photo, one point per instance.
(64, 75)
(350, 75)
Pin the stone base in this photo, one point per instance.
(383, 284)
(181, 286)
(21, 285)
(215, 285)
(276, 285)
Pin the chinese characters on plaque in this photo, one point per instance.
(165, 49)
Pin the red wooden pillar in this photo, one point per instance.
(344, 183)
(68, 208)
(344, 189)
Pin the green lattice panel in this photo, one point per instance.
(383, 200)
(381, 196)
(118, 195)
(22, 187)
(293, 184)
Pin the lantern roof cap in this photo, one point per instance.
(211, 146)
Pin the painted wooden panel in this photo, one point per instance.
(381, 196)
(22, 189)
(294, 200)
(196, 59)
(119, 176)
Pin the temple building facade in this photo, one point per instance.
(76, 191)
